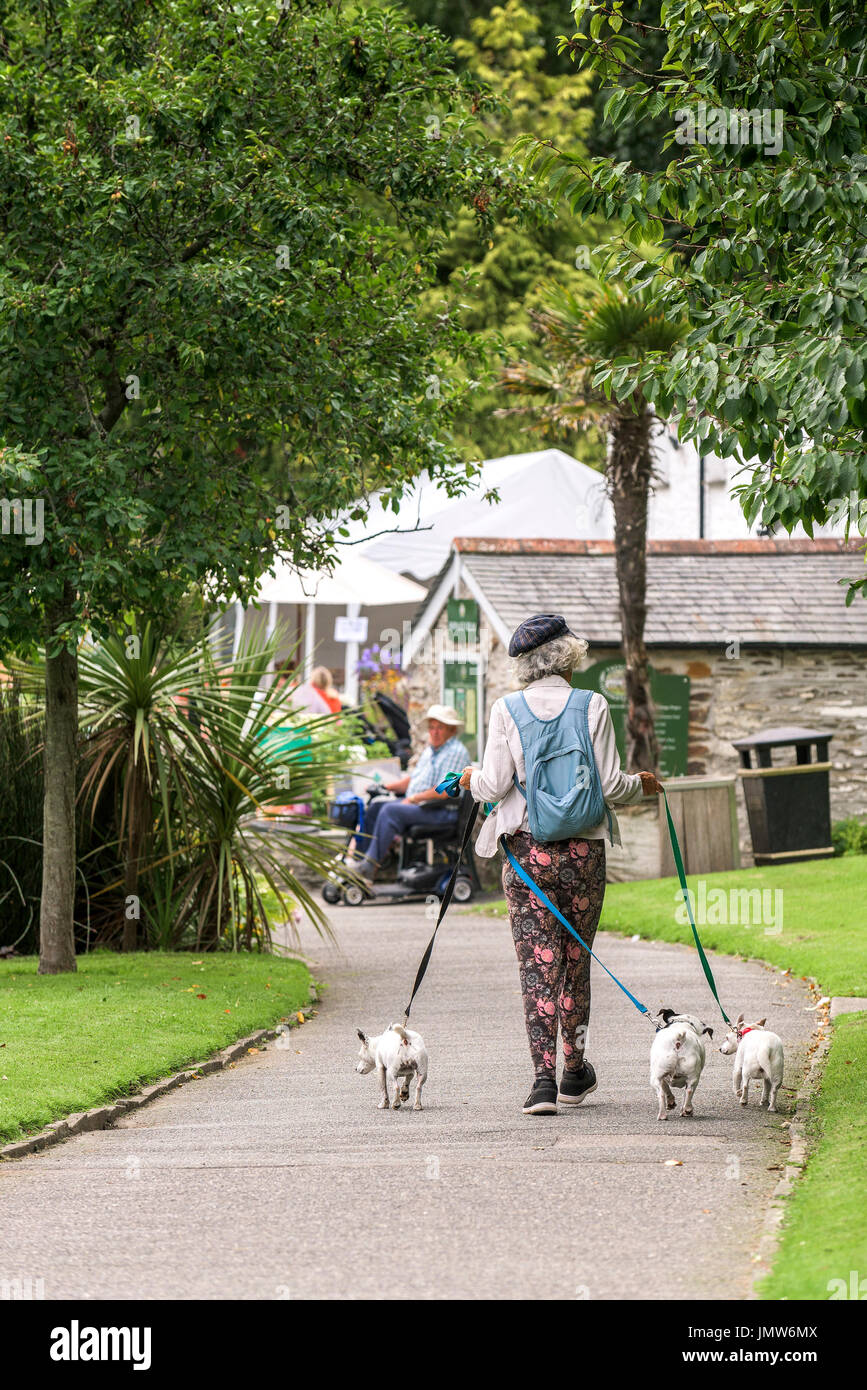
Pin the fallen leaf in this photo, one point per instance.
(201, 996)
(252, 1049)
(300, 1016)
(826, 999)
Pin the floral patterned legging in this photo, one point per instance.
(554, 969)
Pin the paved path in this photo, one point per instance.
(281, 1179)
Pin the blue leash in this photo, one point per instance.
(543, 898)
(450, 785)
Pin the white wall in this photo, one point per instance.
(674, 505)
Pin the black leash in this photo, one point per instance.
(446, 898)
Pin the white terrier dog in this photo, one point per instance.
(677, 1058)
(759, 1058)
(398, 1053)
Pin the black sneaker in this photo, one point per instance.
(542, 1100)
(575, 1086)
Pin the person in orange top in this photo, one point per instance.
(323, 684)
(317, 695)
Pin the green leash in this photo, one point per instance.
(678, 860)
(451, 788)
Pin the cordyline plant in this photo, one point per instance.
(214, 222)
(563, 395)
(192, 761)
(138, 740)
(764, 203)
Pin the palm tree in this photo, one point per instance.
(589, 349)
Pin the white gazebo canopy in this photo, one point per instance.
(354, 579)
(354, 583)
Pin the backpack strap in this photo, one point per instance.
(585, 711)
(520, 711)
(579, 704)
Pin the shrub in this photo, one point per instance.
(849, 836)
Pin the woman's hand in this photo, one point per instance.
(650, 786)
(465, 778)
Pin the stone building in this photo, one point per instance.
(758, 628)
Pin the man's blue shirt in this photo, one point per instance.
(434, 763)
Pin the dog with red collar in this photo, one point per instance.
(758, 1057)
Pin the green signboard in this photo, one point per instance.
(460, 689)
(462, 617)
(670, 696)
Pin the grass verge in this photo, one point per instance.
(70, 1042)
(825, 1236)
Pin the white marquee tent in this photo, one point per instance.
(355, 583)
(550, 493)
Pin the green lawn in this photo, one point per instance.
(823, 934)
(69, 1042)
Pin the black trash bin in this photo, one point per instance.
(788, 804)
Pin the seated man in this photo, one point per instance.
(423, 804)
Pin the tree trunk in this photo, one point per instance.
(137, 809)
(56, 930)
(629, 470)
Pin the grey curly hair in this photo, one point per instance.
(551, 658)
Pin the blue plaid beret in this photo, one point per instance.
(543, 627)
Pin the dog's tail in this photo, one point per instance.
(401, 1032)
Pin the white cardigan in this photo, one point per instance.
(494, 781)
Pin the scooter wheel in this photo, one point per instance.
(331, 892)
(463, 889)
(353, 896)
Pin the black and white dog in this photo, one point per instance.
(677, 1058)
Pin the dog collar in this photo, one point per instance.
(744, 1031)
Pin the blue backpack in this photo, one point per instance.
(563, 791)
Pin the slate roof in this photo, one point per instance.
(764, 592)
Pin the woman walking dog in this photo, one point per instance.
(534, 737)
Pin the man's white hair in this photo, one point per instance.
(551, 658)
